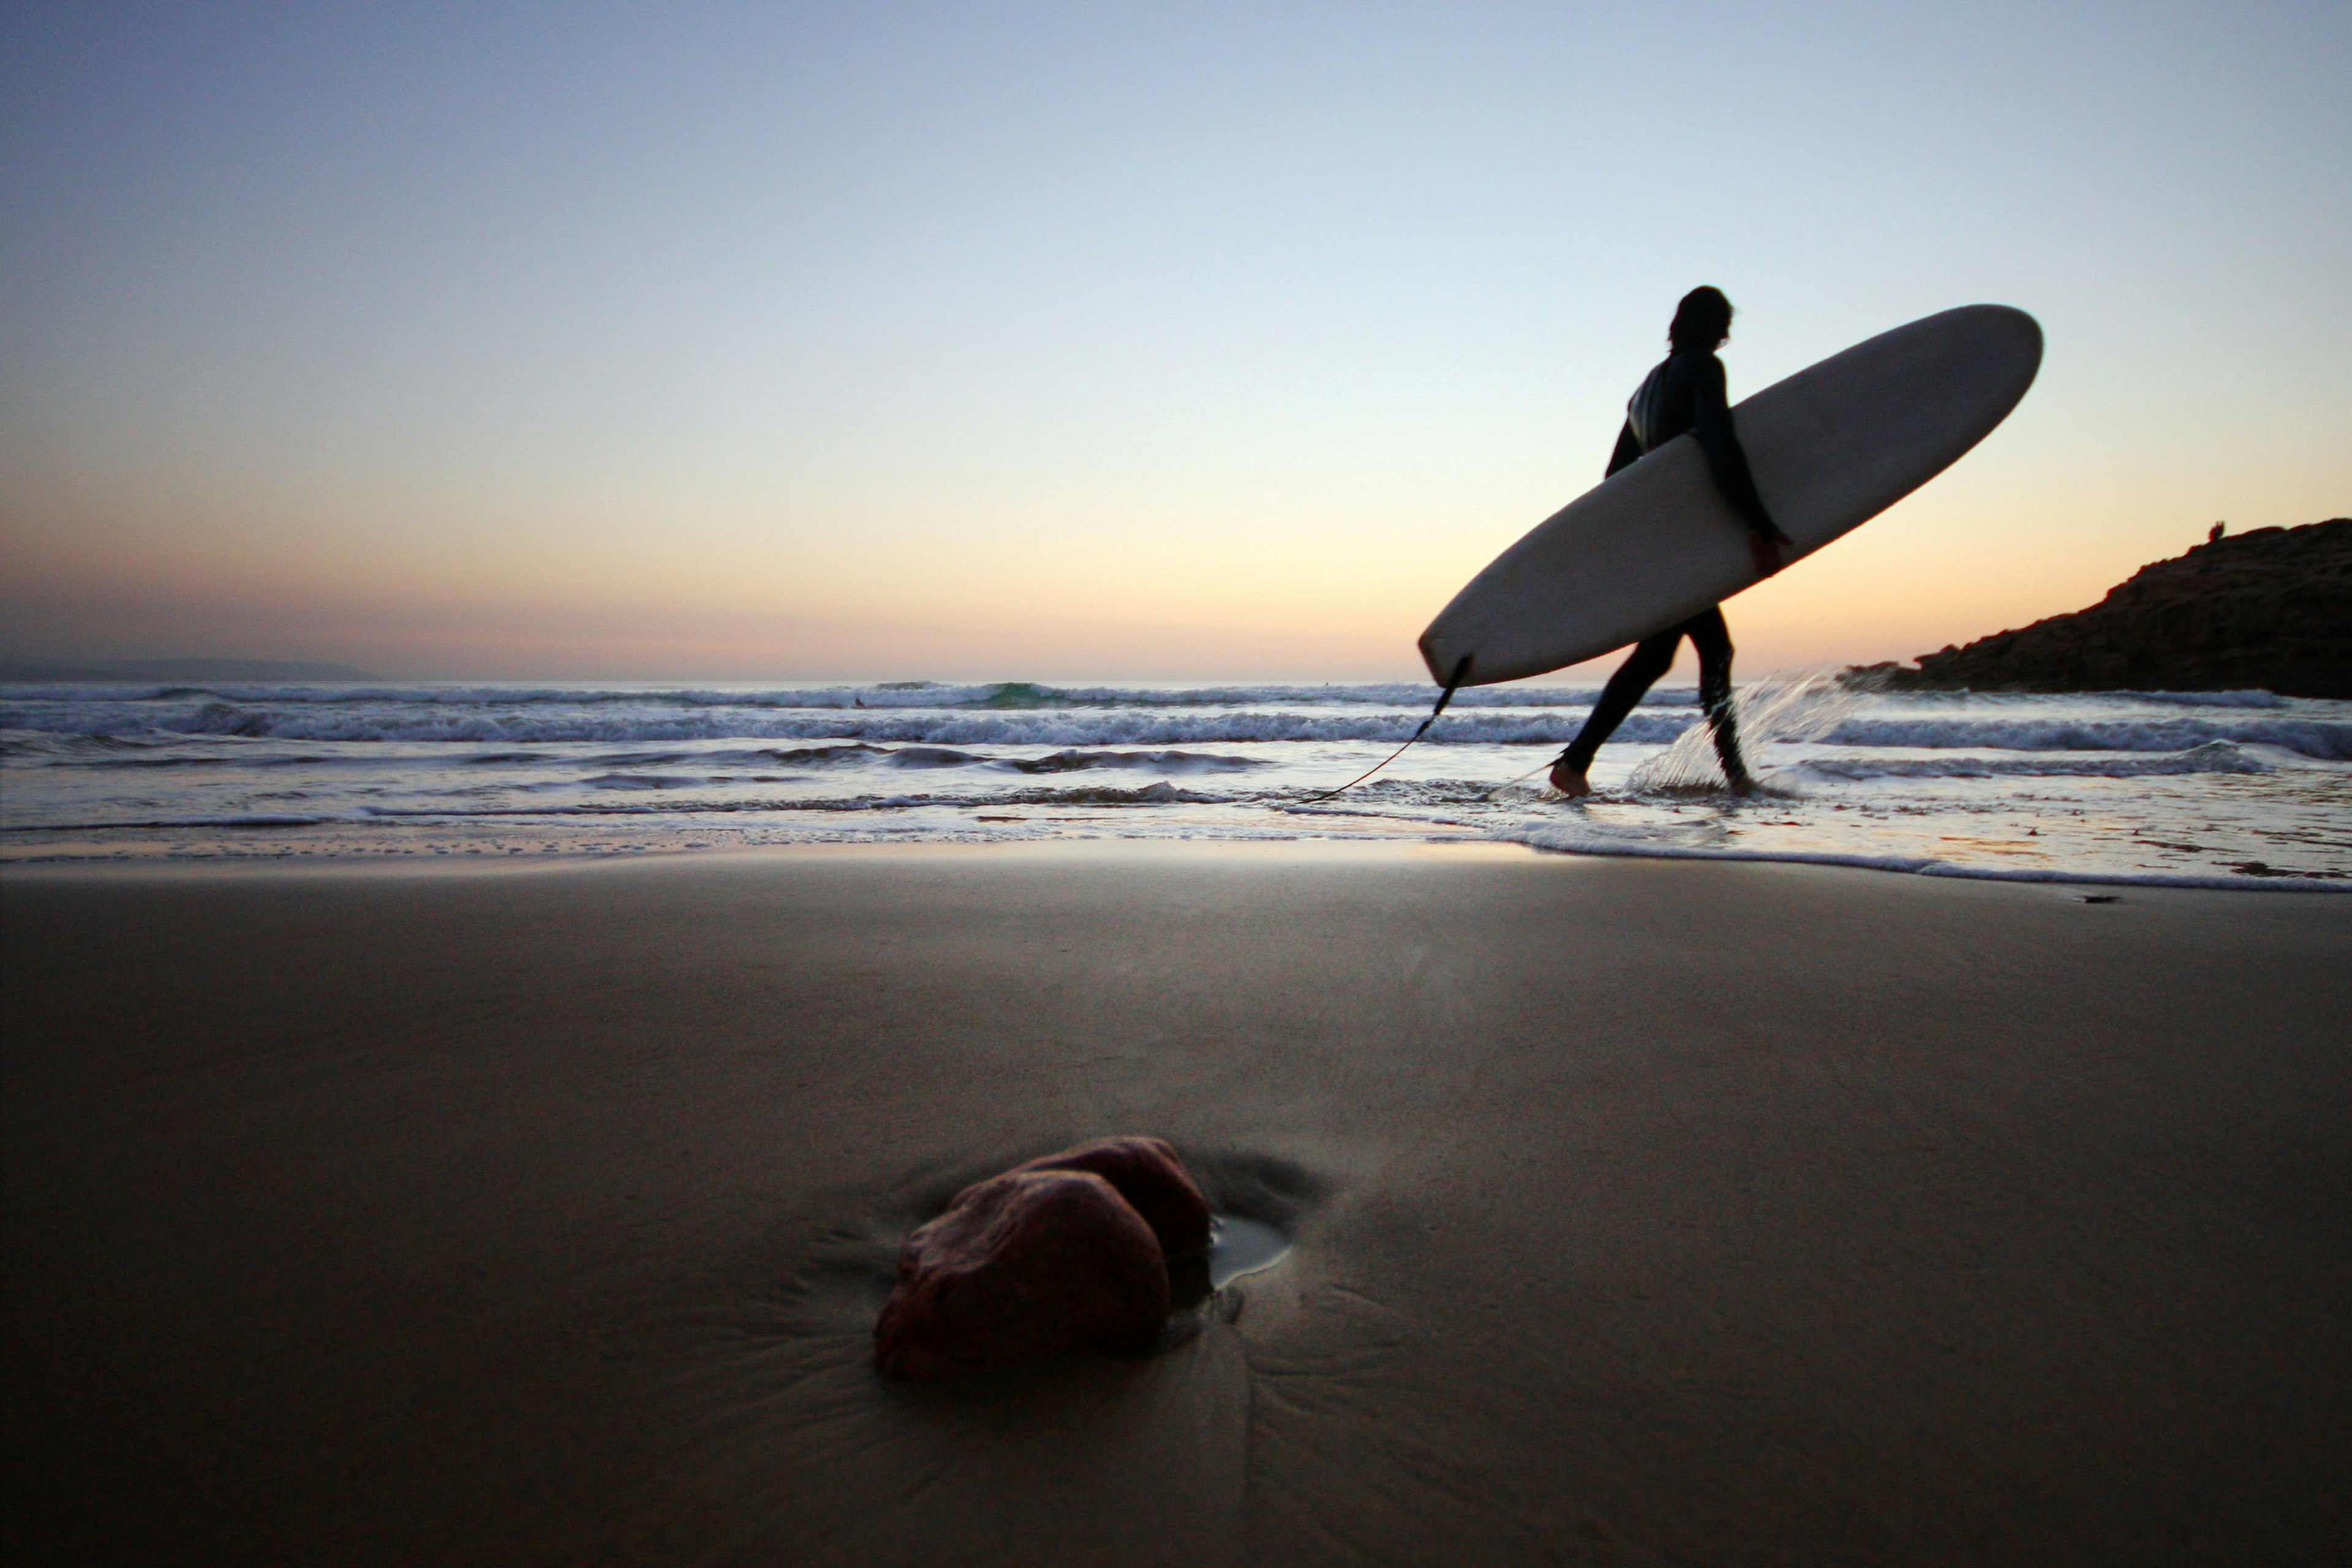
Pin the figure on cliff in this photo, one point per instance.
(1685, 392)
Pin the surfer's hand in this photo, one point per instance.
(1766, 549)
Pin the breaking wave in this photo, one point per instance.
(511, 723)
(994, 696)
(1127, 728)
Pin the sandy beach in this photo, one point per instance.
(1642, 1211)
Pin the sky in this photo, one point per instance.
(1063, 341)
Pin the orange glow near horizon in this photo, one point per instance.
(1266, 594)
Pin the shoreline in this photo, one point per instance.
(1641, 1212)
(1511, 848)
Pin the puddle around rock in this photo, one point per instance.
(1239, 1247)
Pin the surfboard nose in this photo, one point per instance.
(2026, 342)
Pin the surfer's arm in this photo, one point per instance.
(1627, 449)
(1726, 458)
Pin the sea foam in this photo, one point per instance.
(2242, 786)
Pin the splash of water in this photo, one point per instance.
(1790, 705)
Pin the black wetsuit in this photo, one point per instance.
(1685, 393)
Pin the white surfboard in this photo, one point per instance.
(1831, 448)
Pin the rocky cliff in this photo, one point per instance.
(2270, 609)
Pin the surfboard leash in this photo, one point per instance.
(1531, 772)
(1461, 672)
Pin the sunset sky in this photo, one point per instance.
(1014, 342)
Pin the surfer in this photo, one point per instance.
(1685, 392)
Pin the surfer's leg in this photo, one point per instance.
(1650, 658)
(1712, 638)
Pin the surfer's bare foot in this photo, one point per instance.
(1570, 781)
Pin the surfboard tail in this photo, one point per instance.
(1434, 655)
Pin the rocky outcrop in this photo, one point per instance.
(2270, 610)
(1069, 1252)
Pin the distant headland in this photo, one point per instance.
(253, 670)
(2270, 609)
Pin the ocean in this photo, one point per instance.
(2233, 789)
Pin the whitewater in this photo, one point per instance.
(2230, 789)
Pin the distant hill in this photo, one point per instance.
(147, 670)
(2270, 610)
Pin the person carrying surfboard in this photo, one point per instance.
(1684, 393)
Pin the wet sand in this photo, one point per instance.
(1643, 1211)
